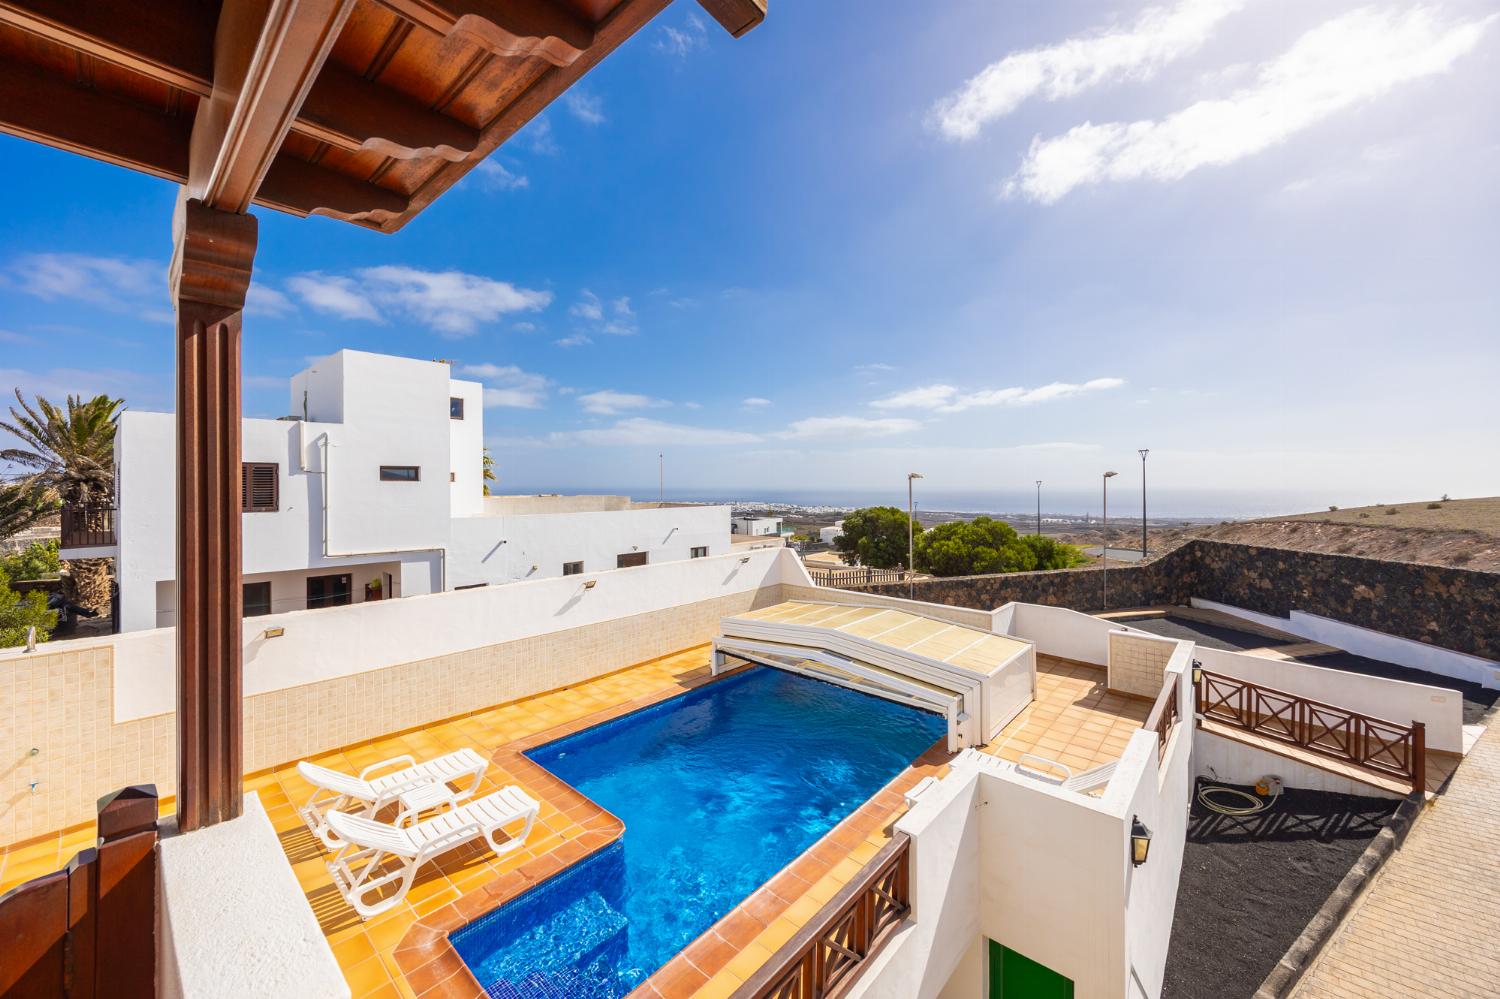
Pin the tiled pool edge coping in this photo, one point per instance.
(434, 970)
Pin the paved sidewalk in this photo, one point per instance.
(1430, 924)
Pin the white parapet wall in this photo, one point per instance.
(231, 914)
(1372, 644)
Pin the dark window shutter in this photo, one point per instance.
(259, 487)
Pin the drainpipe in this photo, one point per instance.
(442, 552)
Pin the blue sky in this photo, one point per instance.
(990, 242)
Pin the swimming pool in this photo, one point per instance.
(719, 789)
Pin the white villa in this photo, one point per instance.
(373, 489)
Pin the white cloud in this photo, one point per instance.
(615, 317)
(262, 300)
(848, 426)
(947, 399)
(586, 107)
(1160, 35)
(538, 136)
(1346, 61)
(755, 401)
(10, 336)
(119, 284)
(59, 383)
(587, 307)
(494, 176)
(639, 431)
(335, 295)
(506, 385)
(877, 366)
(680, 41)
(574, 340)
(451, 302)
(608, 402)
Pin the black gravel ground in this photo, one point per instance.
(1477, 700)
(1212, 636)
(1249, 886)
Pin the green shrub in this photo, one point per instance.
(1434, 506)
(1391, 511)
(20, 612)
(36, 561)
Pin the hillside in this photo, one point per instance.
(1464, 533)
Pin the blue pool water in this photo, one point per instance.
(719, 789)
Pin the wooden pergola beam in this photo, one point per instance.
(167, 40)
(265, 62)
(36, 105)
(735, 16)
(343, 109)
(520, 28)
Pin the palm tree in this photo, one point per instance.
(20, 507)
(68, 457)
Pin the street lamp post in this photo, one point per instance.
(911, 536)
(1105, 531)
(1038, 507)
(661, 478)
(1143, 452)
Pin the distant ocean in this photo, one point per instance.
(1165, 503)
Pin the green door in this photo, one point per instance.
(1013, 976)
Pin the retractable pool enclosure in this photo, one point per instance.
(978, 681)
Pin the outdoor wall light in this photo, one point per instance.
(590, 584)
(1197, 672)
(273, 632)
(745, 560)
(1140, 841)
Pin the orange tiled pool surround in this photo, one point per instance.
(405, 952)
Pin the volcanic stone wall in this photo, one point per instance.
(1456, 609)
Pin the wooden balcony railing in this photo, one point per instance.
(825, 958)
(1164, 714)
(88, 526)
(853, 575)
(1382, 747)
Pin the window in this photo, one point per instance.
(455, 408)
(572, 568)
(452, 476)
(328, 591)
(629, 559)
(400, 473)
(257, 598)
(259, 486)
(701, 552)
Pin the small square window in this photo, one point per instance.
(572, 568)
(452, 476)
(700, 552)
(455, 408)
(400, 473)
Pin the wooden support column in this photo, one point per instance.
(210, 275)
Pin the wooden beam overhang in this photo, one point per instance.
(520, 28)
(265, 61)
(166, 40)
(36, 105)
(349, 112)
(735, 16)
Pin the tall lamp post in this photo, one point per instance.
(1105, 531)
(1038, 507)
(1143, 452)
(661, 478)
(911, 535)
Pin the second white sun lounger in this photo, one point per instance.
(360, 868)
(335, 791)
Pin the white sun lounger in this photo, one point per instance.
(1090, 780)
(334, 791)
(360, 868)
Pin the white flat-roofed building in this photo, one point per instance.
(753, 526)
(372, 489)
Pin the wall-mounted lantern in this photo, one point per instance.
(273, 632)
(590, 584)
(1140, 841)
(1197, 672)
